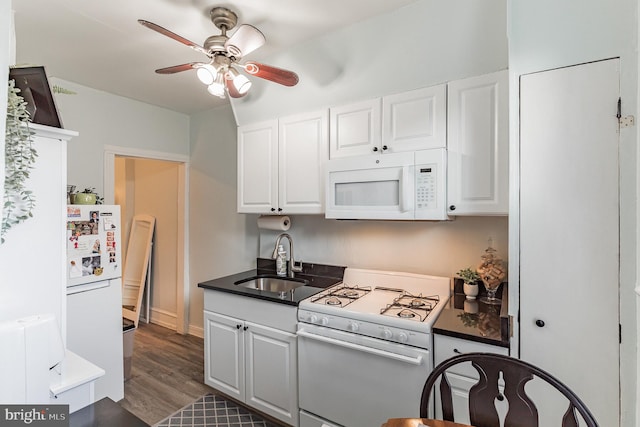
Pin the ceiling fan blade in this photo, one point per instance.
(178, 68)
(245, 40)
(267, 72)
(231, 89)
(165, 32)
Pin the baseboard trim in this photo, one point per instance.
(196, 331)
(164, 318)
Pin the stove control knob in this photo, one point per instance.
(324, 321)
(387, 334)
(353, 327)
(313, 318)
(402, 337)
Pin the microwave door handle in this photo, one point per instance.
(406, 202)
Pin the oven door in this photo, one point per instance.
(357, 381)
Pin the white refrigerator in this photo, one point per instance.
(94, 292)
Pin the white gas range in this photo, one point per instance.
(365, 347)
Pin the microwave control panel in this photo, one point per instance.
(426, 186)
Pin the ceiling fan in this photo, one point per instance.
(220, 73)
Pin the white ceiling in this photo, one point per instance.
(100, 44)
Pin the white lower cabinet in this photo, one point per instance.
(253, 363)
(462, 377)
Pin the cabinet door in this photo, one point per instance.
(569, 151)
(415, 120)
(224, 354)
(47, 227)
(258, 168)
(272, 381)
(303, 152)
(478, 167)
(355, 129)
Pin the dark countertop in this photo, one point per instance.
(319, 277)
(474, 320)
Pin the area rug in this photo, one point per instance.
(214, 411)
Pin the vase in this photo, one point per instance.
(84, 199)
(470, 290)
(492, 271)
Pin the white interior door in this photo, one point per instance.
(569, 231)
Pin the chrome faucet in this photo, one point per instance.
(291, 267)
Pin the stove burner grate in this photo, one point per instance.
(341, 295)
(411, 307)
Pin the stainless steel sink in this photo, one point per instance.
(268, 283)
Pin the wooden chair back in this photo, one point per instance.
(516, 373)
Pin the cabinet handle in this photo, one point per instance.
(375, 148)
(238, 326)
(456, 351)
(452, 207)
(384, 147)
(540, 323)
(273, 209)
(279, 209)
(245, 328)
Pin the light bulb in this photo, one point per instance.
(242, 84)
(217, 87)
(206, 73)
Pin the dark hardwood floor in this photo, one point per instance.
(167, 373)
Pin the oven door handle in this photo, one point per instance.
(400, 357)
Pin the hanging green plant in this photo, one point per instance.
(20, 156)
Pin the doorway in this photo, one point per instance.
(155, 184)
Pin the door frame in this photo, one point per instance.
(182, 287)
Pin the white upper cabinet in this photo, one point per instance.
(478, 146)
(303, 153)
(281, 165)
(258, 167)
(407, 121)
(415, 120)
(355, 129)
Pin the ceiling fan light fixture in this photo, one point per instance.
(224, 52)
(217, 87)
(206, 74)
(240, 82)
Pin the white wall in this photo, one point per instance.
(222, 242)
(437, 248)
(421, 44)
(104, 119)
(545, 34)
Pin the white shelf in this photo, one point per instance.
(73, 371)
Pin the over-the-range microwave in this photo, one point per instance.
(396, 186)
